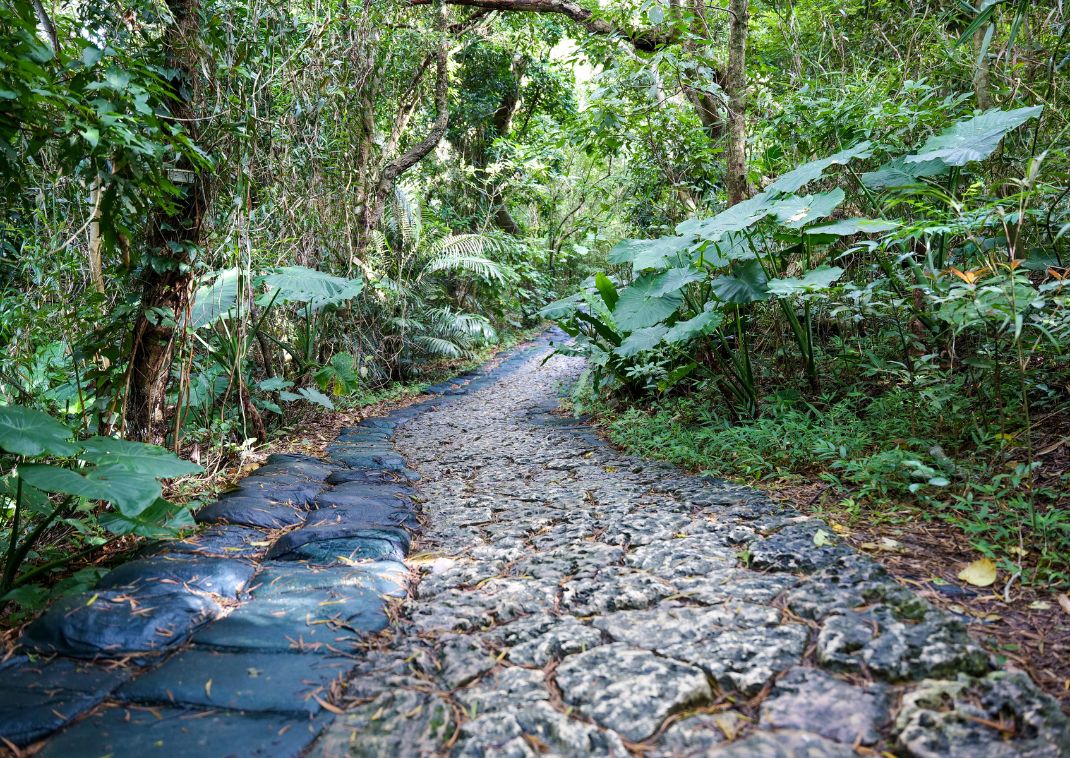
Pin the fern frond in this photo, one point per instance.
(482, 267)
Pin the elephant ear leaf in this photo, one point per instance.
(131, 492)
(973, 139)
(817, 279)
(802, 175)
(299, 284)
(30, 433)
(746, 284)
(639, 308)
(136, 456)
(641, 340)
(703, 323)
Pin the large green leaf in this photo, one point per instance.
(655, 253)
(850, 226)
(641, 340)
(746, 284)
(900, 173)
(562, 308)
(305, 285)
(129, 491)
(734, 219)
(973, 139)
(674, 280)
(802, 175)
(817, 279)
(638, 308)
(797, 211)
(30, 433)
(159, 520)
(703, 323)
(136, 456)
(215, 300)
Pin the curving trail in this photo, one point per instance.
(476, 575)
(576, 601)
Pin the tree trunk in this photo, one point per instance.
(981, 88)
(376, 204)
(167, 274)
(736, 87)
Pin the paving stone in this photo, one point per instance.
(217, 576)
(244, 681)
(628, 690)
(849, 582)
(115, 623)
(179, 733)
(784, 744)
(39, 697)
(613, 590)
(697, 735)
(951, 719)
(876, 641)
(696, 555)
(251, 511)
(395, 723)
(793, 548)
(539, 639)
(809, 699)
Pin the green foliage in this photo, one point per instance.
(51, 483)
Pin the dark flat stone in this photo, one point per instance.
(245, 681)
(119, 622)
(298, 608)
(39, 697)
(248, 511)
(363, 514)
(290, 543)
(221, 540)
(218, 576)
(179, 733)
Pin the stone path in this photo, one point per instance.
(556, 598)
(576, 601)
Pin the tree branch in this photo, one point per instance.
(645, 40)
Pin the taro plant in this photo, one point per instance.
(96, 490)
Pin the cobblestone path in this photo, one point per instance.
(476, 575)
(576, 601)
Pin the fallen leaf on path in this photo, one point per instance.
(822, 538)
(1064, 602)
(980, 573)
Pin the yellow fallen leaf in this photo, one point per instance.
(839, 528)
(208, 688)
(980, 573)
(1064, 602)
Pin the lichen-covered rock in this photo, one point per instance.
(849, 582)
(400, 722)
(613, 589)
(875, 641)
(796, 549)
(783, 744)
(811, 700)
(628, 690)
(1002, 715)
